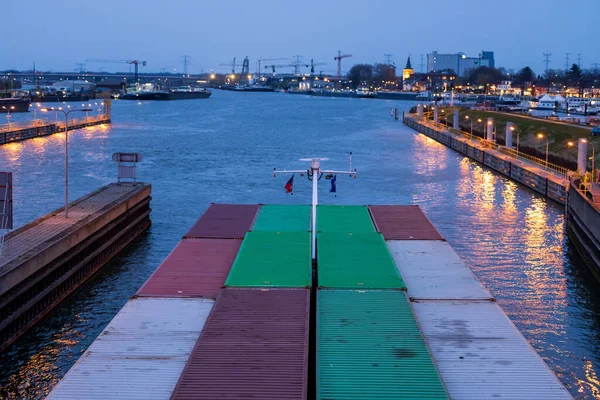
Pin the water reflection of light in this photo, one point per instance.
(39, 144)
(592, 379)
(508, 199)
(13, 151)
(428, 156)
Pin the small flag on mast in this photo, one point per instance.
(289, 186)
(333, 185)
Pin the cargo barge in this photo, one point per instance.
(239, 310)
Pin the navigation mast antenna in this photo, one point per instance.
(567, 62)
(314, 174)
(422, 57)
(547, 60)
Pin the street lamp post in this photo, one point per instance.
(541, 136)
(470, 119)
(66, 150)
(8, 117)
(512, 128)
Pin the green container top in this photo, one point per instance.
(354, 219)
(370, 347)
(272, 259)
(355, 261)
(283, 218)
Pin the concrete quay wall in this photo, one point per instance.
(40, 130)
(45, 260)
(533, 177)
(583, 227)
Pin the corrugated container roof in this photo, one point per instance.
(254, 346)
(224, 221)
(195, 268)
(370, 347)
(403, 223)
(481, 355)
(140, 354)
(432, 270)
(273, 259)
(354, 261)
(344, 219)
(282, 218)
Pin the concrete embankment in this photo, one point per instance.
(45, 260)
(19, 132)
(583, 225)
(547, 182)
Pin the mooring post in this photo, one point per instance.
(510, 127)
(455, 120)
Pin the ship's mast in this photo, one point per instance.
(315, 173)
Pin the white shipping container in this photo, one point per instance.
(140, 354)
(431, 269)
(480, 354)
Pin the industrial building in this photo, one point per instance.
(459, 62)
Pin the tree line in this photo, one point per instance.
(376, 75)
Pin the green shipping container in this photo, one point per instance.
(354, 219)
(370, 347)
(272, 259)
(283, 218)
(355, 261)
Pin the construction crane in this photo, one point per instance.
(278, 66)
(231, 64)
(134, 62)
(338, 58)
(260, 60)
(313, 64)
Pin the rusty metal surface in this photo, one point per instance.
(195, 268)
(403, 223)
(254, 346)
(224, 221)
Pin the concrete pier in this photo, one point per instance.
(45, 260)
(546, 181)
(38, 128)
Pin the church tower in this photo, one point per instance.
(408, 71)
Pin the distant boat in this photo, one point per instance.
(179, 93)
(14, 104)
(424, 96)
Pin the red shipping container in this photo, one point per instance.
(224, 221)
(403, 223)
(254, 345)
(195, 268)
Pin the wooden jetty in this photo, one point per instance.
(45, 260)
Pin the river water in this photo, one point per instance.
(224, 149)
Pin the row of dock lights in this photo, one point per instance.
(66, 147)
(510, 129)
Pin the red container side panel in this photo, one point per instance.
(224, 221)
(254, 345)
(195, 268)
(403, 223)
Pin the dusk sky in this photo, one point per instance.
(59, 34)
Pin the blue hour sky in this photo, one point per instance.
(58, 34)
